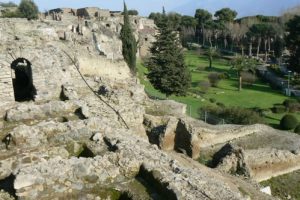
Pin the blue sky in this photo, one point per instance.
(243, 7)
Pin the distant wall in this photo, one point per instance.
(92, 12)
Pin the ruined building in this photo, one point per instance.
(82, 126)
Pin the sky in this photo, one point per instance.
(187, 7)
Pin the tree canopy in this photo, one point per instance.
(226, 15)
(129, 44)
(167, 71)
(293, 42)
(28, 9)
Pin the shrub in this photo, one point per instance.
(204, 86)
(225, 75)
(233, 115)
(297, 129)
(220, 104)
(289, 102)
(279, 109)
(288, 122)
(291, 105)
(248, 78)
(214, 79)
(212, 100)
(28, 9)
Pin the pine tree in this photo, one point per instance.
(167, 71)
(129, 43)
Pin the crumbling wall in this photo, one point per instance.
(6, 85)
(93, 12)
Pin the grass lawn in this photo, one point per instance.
(258, 95)
(285, 185)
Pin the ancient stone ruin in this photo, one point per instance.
(110, 141)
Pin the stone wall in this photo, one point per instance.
(6, 85)
(93, 12)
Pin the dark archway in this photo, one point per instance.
(24, 89)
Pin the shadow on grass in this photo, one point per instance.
(229, 71)
(195, 84)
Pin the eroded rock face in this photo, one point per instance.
(59, 151)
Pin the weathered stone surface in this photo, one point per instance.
(56, 154)
(31, 111)
(5, 196)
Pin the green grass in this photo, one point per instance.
(285, 185)
(258, 95)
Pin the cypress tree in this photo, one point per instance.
(129, 43)
(167, 71)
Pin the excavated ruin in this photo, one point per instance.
(109, 141)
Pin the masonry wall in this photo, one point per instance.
(6, 85)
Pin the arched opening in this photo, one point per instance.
(24, 89)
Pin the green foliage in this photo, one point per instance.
(262, 30)
(288, 122)
(129, 44)
(28, 9)
(297, 129)
(214, 79)
(279, 109)
(293, 42)
(241, 64)
(211, 53)
(204, 86)
(226, 15)
(292, 105)
(8, 5)
(203, 16)
(212, 100)
(278, 47)
(167, 70)
(133, 12)
(11, 14)
(248, 78)
(234, 115)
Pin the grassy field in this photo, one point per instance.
(286, 186)
(258, 95)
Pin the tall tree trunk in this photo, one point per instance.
(210, 62)
(210, 42)
(269, 44)
(266, 51)
(258, 47)
(225, 43)
(203, 34)
(242, 47)
(250, 49)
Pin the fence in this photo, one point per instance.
(211, 119)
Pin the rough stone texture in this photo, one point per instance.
(31, 111)
(259, 164)
(5, 196)
(59, 151)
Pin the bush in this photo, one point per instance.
(289, 102)
(234, 115)
(220, 104)
(291, 105)
(204, 86)
(288, 122)
(214, 79)
(212, 100)
(28, 9)
(9, 4)
(297, 129)
(248, 78)
(225, 75)
(279, 109)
